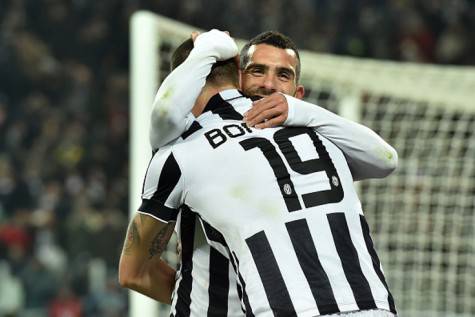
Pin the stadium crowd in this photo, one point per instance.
(64, 121)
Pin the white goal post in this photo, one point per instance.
(422, 217)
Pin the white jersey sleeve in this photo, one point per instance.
(367, 154)
(171, 112)
(162, 193)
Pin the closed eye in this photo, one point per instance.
(285, 74)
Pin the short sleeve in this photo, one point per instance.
(163, 187)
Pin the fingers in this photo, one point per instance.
(274, 122)
(260, 106)
(264, 115)
(271, 110)
(194, 35)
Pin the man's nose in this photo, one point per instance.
(269, 82)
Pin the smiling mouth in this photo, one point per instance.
(264, 93)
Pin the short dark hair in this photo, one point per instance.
(181, 53)
(222, 72)
(272, 38)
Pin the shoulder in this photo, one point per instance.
(161, 159)
(194, 127)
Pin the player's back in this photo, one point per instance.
(281, 203)
(205, 283)
(261, 177)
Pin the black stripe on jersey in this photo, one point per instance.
(187, 229)
(307, 256)
(195, 126)
(159, 210)
(350, 261)
(168, 179)
(376, 262)
(238, 285)
(245, 298)
(228, 113)
(271, 277)
(221, 107)
(218, 290)
(213, 234)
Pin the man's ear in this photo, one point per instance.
(299, 92)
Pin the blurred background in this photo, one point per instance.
(64, 111)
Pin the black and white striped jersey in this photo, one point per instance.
(280, 204)
(205, 281)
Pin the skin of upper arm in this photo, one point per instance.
(145, 241)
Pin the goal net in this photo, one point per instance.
(422, 217)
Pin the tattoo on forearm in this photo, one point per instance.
(160, 240)
(132, 239)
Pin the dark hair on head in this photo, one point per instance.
(222, 72)
(181, 53)
(272, 38)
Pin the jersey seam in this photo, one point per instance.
(155, 217)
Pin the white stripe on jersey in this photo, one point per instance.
(379, 291)
(151, 179)
(294, 278)
(200, 280)
(216, 241)
(200, 274)
(331, 262)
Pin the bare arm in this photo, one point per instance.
(140, 266)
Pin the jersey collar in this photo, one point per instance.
(230, 94)
(220, 100)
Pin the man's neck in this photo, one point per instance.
(206, 94)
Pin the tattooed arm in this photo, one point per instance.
(140, 266)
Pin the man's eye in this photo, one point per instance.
(285, 76)
(256, 71)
